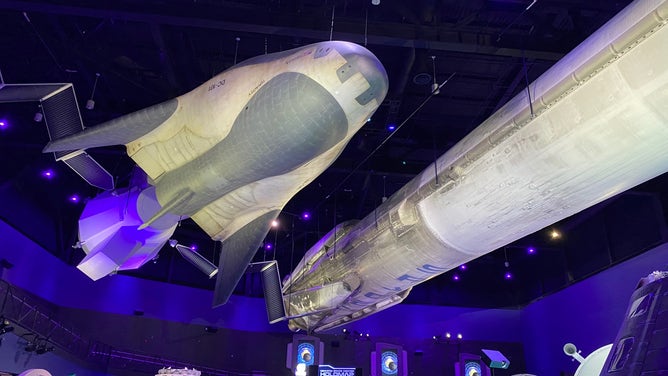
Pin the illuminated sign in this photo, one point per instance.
(325, 370)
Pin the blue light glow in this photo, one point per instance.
(48, 174)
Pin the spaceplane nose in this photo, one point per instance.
(359, 59)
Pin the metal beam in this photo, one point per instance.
(278, 30)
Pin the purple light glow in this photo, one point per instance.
(391, 127)
(462, 267)
(193, 247)
(531, 250)
(306, 216)
(4, 124)
(508, 275)
(74, 199)
(48, 174)
(268, 246)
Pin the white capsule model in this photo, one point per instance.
(228, 154)
(594, 125)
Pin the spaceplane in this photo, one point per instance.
(592, 126)
(229, 154)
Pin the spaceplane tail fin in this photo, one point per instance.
(236, 254)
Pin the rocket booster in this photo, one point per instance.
(594, 125)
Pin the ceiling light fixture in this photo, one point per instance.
(48, 174)
(434, 86)
(90, 104)
(5, 326)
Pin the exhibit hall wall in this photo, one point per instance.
(588, 313)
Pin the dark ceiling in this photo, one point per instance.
(148, 51)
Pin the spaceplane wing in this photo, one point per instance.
(592, 126)
(229, 154)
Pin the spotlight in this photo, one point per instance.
(30, 347)
(531, 250)
(447, 335)
(4, 124)
(459, 336)
(48, 174)
(391, 127)
(274, 223)
(193, 247)
(74, 199)
(508, 276)
(268, 246)
(306, 216)
(462, 267)
(554, 234)
(5, 327)
(455, 277)
(43, 348)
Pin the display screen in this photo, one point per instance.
(389, 362)
(472, 368)
(305, 352)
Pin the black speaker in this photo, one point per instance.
(494, 359)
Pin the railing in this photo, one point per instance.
(35, 316)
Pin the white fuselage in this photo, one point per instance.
(599, 127)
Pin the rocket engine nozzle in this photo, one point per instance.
(109, 231)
